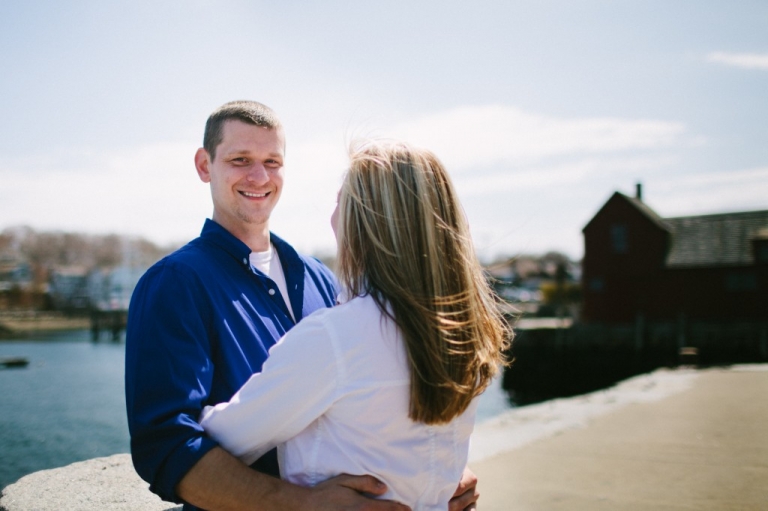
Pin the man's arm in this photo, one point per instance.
(465, 498)
(168, 372)
(222, 482)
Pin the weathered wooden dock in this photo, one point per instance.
(111, 321)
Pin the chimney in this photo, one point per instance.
(639, 191)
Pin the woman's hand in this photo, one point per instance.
(465, 498)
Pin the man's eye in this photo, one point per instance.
(239, 160)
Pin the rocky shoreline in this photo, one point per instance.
(99, 484)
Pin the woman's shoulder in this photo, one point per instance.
(354, 310)
(357, 321)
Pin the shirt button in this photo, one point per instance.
(245, 261)
(271, 292)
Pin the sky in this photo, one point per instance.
(540, 110)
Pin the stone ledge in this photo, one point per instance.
(100, 484)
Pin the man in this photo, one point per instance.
(201, 323)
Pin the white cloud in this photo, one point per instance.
(573, 172)
(714, 192)
(472, 137)
(743, 60)
(151, 191)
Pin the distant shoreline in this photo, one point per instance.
(26, 323)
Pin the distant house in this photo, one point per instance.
(14, 273)
(68, 287)
(111, 289)
(638, 265)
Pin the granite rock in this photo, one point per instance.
(99, 484)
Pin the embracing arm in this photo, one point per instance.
(222, 482)
(297, 384)
(272, 407)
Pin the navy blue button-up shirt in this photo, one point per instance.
(200, 323)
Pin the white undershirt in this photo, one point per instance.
(269, 264)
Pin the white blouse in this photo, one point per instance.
(333, 397)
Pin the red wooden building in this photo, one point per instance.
(640, 266)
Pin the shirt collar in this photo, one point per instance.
(218, 235)
(214, 233)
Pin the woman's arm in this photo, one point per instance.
(297, 384)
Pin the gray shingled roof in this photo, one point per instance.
(715, 240)
(647, 211)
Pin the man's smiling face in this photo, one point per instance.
(246, 175)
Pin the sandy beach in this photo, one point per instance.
(681, 439)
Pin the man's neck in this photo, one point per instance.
(256, 242)
(256, 236)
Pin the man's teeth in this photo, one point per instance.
(249, 194)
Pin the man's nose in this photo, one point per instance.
(258, 174)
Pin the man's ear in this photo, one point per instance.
(202, 162)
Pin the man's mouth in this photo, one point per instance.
(254, 195)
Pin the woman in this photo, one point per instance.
(386, 382)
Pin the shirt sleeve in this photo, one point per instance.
(297, 384)
(168, 376)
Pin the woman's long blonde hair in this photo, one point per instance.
(404, 240)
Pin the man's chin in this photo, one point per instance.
(254, 220)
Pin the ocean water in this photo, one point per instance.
(68, 405)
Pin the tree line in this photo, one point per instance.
(56, 249)
(29, 260)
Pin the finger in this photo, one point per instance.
(362, 484)
(468, 481)
(465, 501)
